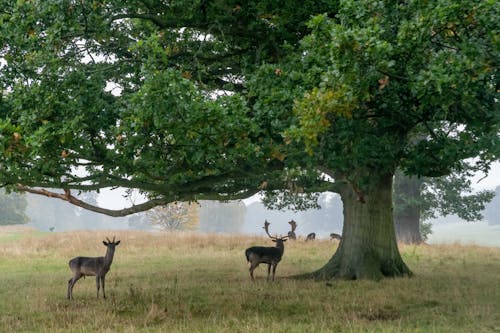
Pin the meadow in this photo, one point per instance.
(187, 282)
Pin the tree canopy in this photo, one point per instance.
(140, 94)
(406, 85)
(189, 100)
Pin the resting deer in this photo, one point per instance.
(95, 266)
(311, 237)
(291, 234)
(266, 255)
(335, 236)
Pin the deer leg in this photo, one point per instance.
(69, 289)
(97, 281)
(252, 267)
(71, 284)
(102, 282)
(274, 270)
(269, 271)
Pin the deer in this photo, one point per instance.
(291, 233)
(335, 236)
(311, 236)
(266, 255)
(92, 266)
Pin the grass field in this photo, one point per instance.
(182, 282)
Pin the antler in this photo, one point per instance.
(114, 238)
(266, 228)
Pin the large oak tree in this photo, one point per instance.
(396, 70)
(189, 100)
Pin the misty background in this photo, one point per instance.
(235, 217)
(247, 217)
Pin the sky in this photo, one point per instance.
(479, 182)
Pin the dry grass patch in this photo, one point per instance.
(186, 282)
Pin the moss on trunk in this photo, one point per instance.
(368, 249)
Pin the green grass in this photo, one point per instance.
(200, 283)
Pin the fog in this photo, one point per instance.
(235, 217)
(247, 217)
(467, 233)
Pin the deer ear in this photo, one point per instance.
(284, 240)
(105, 243)
(117, 243)
(274, 240)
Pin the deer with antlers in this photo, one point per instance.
(291, 234)
(266, 255)
(92, 266)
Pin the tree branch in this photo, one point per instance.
(66, 196)
(150, 17)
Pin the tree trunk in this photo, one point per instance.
(408, 228)
(407, 213)
(368, 249)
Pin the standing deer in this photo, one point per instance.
(311, 236)
(335, 236)
(291, 234)
(266, 255)
(92, 266)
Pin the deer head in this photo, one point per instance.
(291, 233)
(113, 243)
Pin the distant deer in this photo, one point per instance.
(266, 255)
(335, 236)
(92, 266)
(311, 236)
(291, 234)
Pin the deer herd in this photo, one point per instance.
(100, 266)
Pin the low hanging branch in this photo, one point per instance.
(68, 197)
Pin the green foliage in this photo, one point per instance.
(442, 196)
(453, 195)
(417, 200)
(195, 99)
(425, 230)
(146, 95)
(410, 85)
(12, 208)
